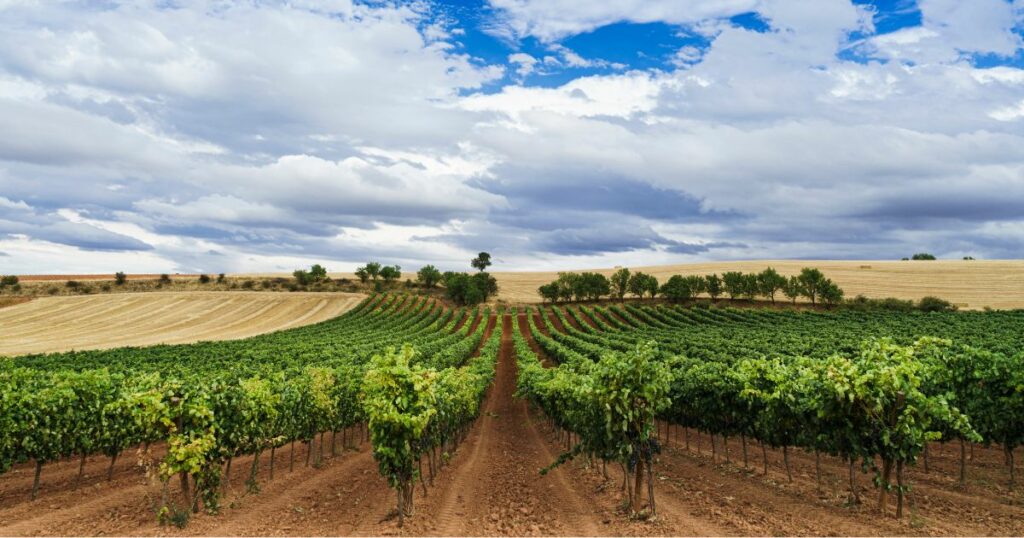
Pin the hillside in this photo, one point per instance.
(136, 319)
(974, 284)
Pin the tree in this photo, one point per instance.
(770, 282)
(466, 289)
(373, 270)
(793, 289)
(642, 283)
(318, 273)
(593, 285)
(549, 291)
(696, 283)
(362, 274)
(714, 285)
(120, 278)
(751, 286)
(734, 284)
(636, 284)
(8, 280)
(487, 284)
(651, 285)
(481, 262)
(566, 283)
(831, 294)
(204, 279)
(569, 287)
(811, 283)
(620, 282)
(429, 276)
(676, 289)
(390, 273)
(922, 256)
(165, 278)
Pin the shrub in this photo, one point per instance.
(249, 284)
(266, 284)
(165, 278)
(72, 284)
(935, 304)
(220, 278)
(8, 280)
(52, 290)
(105, 287)
(204, 279)
(861, 302)
(120, 278)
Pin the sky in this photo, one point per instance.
(263, 135)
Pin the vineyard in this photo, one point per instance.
(650, 419)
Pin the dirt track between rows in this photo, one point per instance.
(492, 486)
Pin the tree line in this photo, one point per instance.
(460, 287)
(810, 283)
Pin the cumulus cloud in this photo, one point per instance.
(263, 136)
(549, 20)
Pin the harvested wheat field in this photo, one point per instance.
(973, 284)
(135, 319)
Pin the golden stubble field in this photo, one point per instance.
(971, 284)
(137, 319)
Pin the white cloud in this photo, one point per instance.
(1009, 113)
(263, 136)
(549, 20)
(950, 29)
(524, 61)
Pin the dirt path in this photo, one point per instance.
(493, 486)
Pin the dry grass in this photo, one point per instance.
(11, 301)
(134, 319)
(970, 284)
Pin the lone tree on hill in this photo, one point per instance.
(481, 262)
